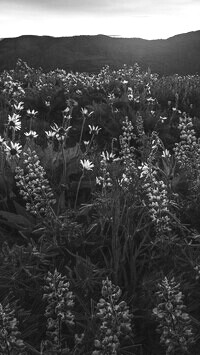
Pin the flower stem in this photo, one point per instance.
(78, 188)
(84, 118)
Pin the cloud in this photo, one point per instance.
(128, 18)
(106, 7)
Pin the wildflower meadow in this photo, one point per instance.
(99, 212)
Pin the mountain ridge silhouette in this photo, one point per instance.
(178, 54)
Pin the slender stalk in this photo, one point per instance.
(31, 120)
(115, 237)
(89, 145)
(78, 188)
(59, 333)
(13, 134)
(84, 118)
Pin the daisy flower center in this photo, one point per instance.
(61, 131)
(13, 151)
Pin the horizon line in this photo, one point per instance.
(95, 35)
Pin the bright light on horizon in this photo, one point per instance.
(126, 19)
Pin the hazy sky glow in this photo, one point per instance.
(149, 19)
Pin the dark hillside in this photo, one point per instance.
(179, 54)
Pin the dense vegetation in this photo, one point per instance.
(99, 212)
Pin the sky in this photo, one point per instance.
(148, 19)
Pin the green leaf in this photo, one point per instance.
(15, 220)
(20, 210)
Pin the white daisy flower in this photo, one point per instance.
(31, 134)
(84, 111)
(111, 97)
(93, 129)
(124, 82)
(163, 118)
(137, 99)
(108, 157)
(19, 106)
(50, 134)
(166, 154)
(13, 150)
(2, 141)
(47, 103)
(86, 143)
(32, 113)
(60, 132)
(86, 164)
(66, 110)
(14, 122)
(150, 100)
(130, 97)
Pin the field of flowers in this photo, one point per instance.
(99, 212)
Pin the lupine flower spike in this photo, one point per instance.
(58, 311)
(34, 187)
(174, 322)
(127, 155)
(10, 337)
(114, 318)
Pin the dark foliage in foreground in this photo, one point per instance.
(99, 212)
